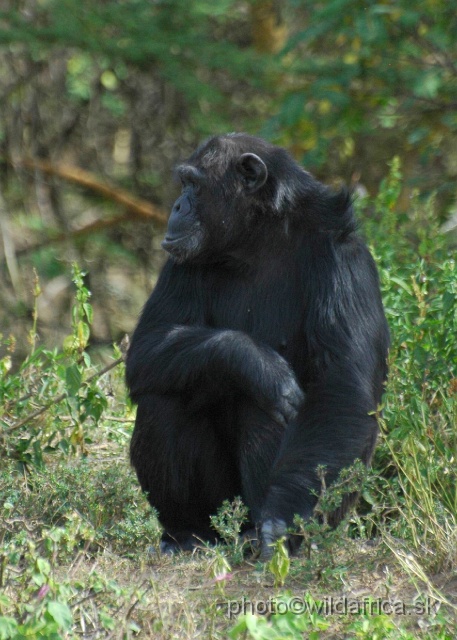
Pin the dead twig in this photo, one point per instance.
(136, 208)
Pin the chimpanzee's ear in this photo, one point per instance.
(253, 170)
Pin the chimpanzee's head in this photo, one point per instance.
(231, 185)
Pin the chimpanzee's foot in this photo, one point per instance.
(271, 531)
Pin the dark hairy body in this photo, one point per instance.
(261, 353)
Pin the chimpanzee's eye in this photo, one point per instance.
(190, 183)
(190, 177)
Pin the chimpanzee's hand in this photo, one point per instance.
(279, 393)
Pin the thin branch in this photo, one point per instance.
(9, 248)
(61, 397)
(138, 206)
(93, 227)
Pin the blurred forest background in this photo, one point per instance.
(98, 101)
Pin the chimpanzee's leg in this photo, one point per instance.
(259, 441)
(185, 465)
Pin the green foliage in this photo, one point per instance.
(106, 501)
(378, 627)
(178, 40)
(32, 396)
(369, 77)
(419, 282)
(220, 570)
(44, 603)
(82, 316)
(350, 480)
(52, 404)
(75, 511)
(280, 563)
(285, 623)
(49, 623)
(229, 520)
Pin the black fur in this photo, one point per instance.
(262, 350)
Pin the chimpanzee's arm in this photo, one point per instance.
(172, 353)
(348, 341)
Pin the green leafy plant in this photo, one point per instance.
(220, 570)
(228, 522)
(287, 621)
(31, 396)
(279, 564)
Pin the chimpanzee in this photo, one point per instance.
(261, 352)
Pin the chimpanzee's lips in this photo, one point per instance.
(172, 241)
(176, 246)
